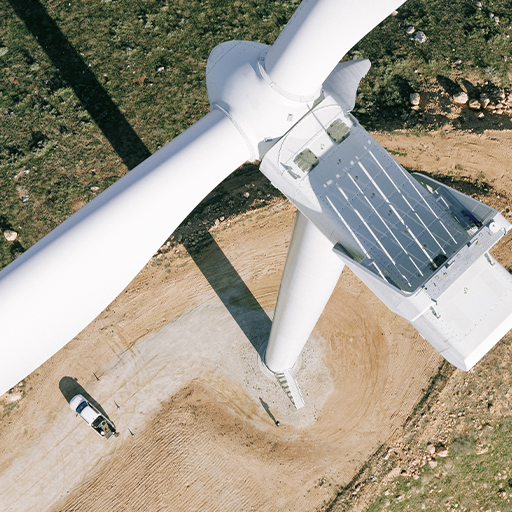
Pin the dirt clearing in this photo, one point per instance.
(173, 363)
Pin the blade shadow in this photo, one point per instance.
(75, 73)
(216, 268)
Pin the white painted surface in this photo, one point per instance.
(310, 274)
(343, 82)
(319, 34)
(62, 283)
(419, 245)
(237, 85)
(473, 314)
(298, 400)
(56, 288)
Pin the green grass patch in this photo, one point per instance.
(473, 417)
(89, 89)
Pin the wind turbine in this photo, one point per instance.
(420, 246)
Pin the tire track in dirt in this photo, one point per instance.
(175, 461)
(203, 440)
(208, 448)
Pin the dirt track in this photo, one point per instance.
(179, 359)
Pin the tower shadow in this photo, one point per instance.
(230, 288)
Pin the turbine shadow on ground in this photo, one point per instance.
(216, 268)
(74, 72)
(230, 288)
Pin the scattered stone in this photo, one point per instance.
(442, 452)
(25, 198)
(432, 463)
(458, 61)
(474, 104)
(484, 100)
(479, 5)
(94, 189)
(3, 51)
(431, 449)
(394, 13)
(410, 30)
(460, 98)
(499, 111)
(420, 37)
(161, 68)
(481, 115)
(246, 194)
(10, 235)
(415, 98)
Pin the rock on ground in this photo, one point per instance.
(415, 98)
(10, 235)
(460, 98)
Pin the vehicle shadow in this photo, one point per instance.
(69, 387)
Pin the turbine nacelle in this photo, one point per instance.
(418, 245)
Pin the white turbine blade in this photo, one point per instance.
(57, 287)
(316, 38)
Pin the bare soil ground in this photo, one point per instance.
(173, 363)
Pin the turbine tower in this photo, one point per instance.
(420, 246)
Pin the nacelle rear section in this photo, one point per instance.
(420, 246)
